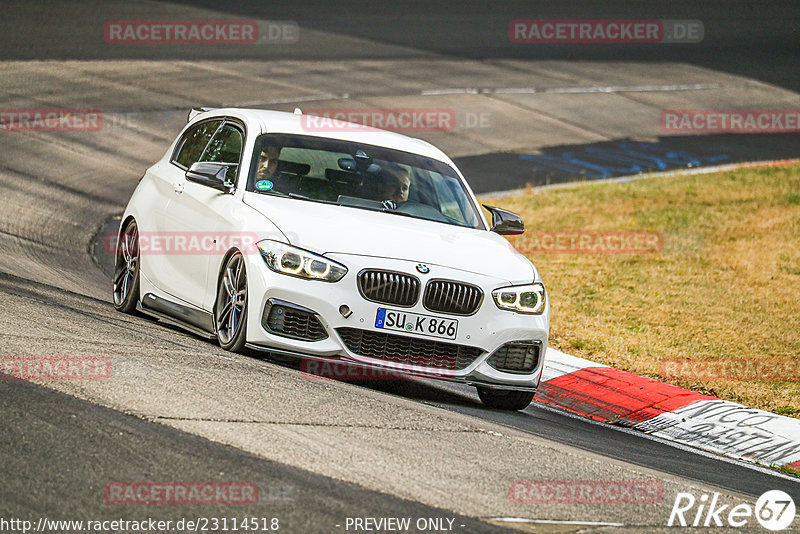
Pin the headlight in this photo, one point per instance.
(530, 298)
(286, 259)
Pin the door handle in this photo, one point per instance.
(177, 187)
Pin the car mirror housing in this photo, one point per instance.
(505, 222)
(213, 175)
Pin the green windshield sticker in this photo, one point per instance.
(263, 185)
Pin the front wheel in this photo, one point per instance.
(505, 399)
(230, 309)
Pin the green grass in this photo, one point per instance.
(788, 470)
(724, 288)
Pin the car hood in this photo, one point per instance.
(331, 229)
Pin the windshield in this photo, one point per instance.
(361, 176)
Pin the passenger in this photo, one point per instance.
(395, 183)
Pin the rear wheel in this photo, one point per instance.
(502, 399)
(230, 309)
(126, 270)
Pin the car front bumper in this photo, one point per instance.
(489, 329)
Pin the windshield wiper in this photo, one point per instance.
(393, 212)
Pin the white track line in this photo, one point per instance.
(642, 176)
(291, 100)
(573, 90)
(554, 522)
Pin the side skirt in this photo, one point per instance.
(198, 322)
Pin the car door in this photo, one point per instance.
(168, 178)
(193, 216)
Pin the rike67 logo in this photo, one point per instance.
(774, 510)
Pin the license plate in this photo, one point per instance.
(415, 323)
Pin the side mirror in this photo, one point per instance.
(213, 175)
(505, 222)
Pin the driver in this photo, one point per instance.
(395, 182)
(268, 161)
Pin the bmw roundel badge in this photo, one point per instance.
(424, 269)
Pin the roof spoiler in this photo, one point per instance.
(194, 112)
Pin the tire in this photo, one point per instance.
(126, 270)
(505, 399)
(230, 308)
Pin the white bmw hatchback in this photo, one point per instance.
(349, 245)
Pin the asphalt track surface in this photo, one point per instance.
(178, 408)
(106, 445)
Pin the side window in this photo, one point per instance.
(194, 142)
(225, 147)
